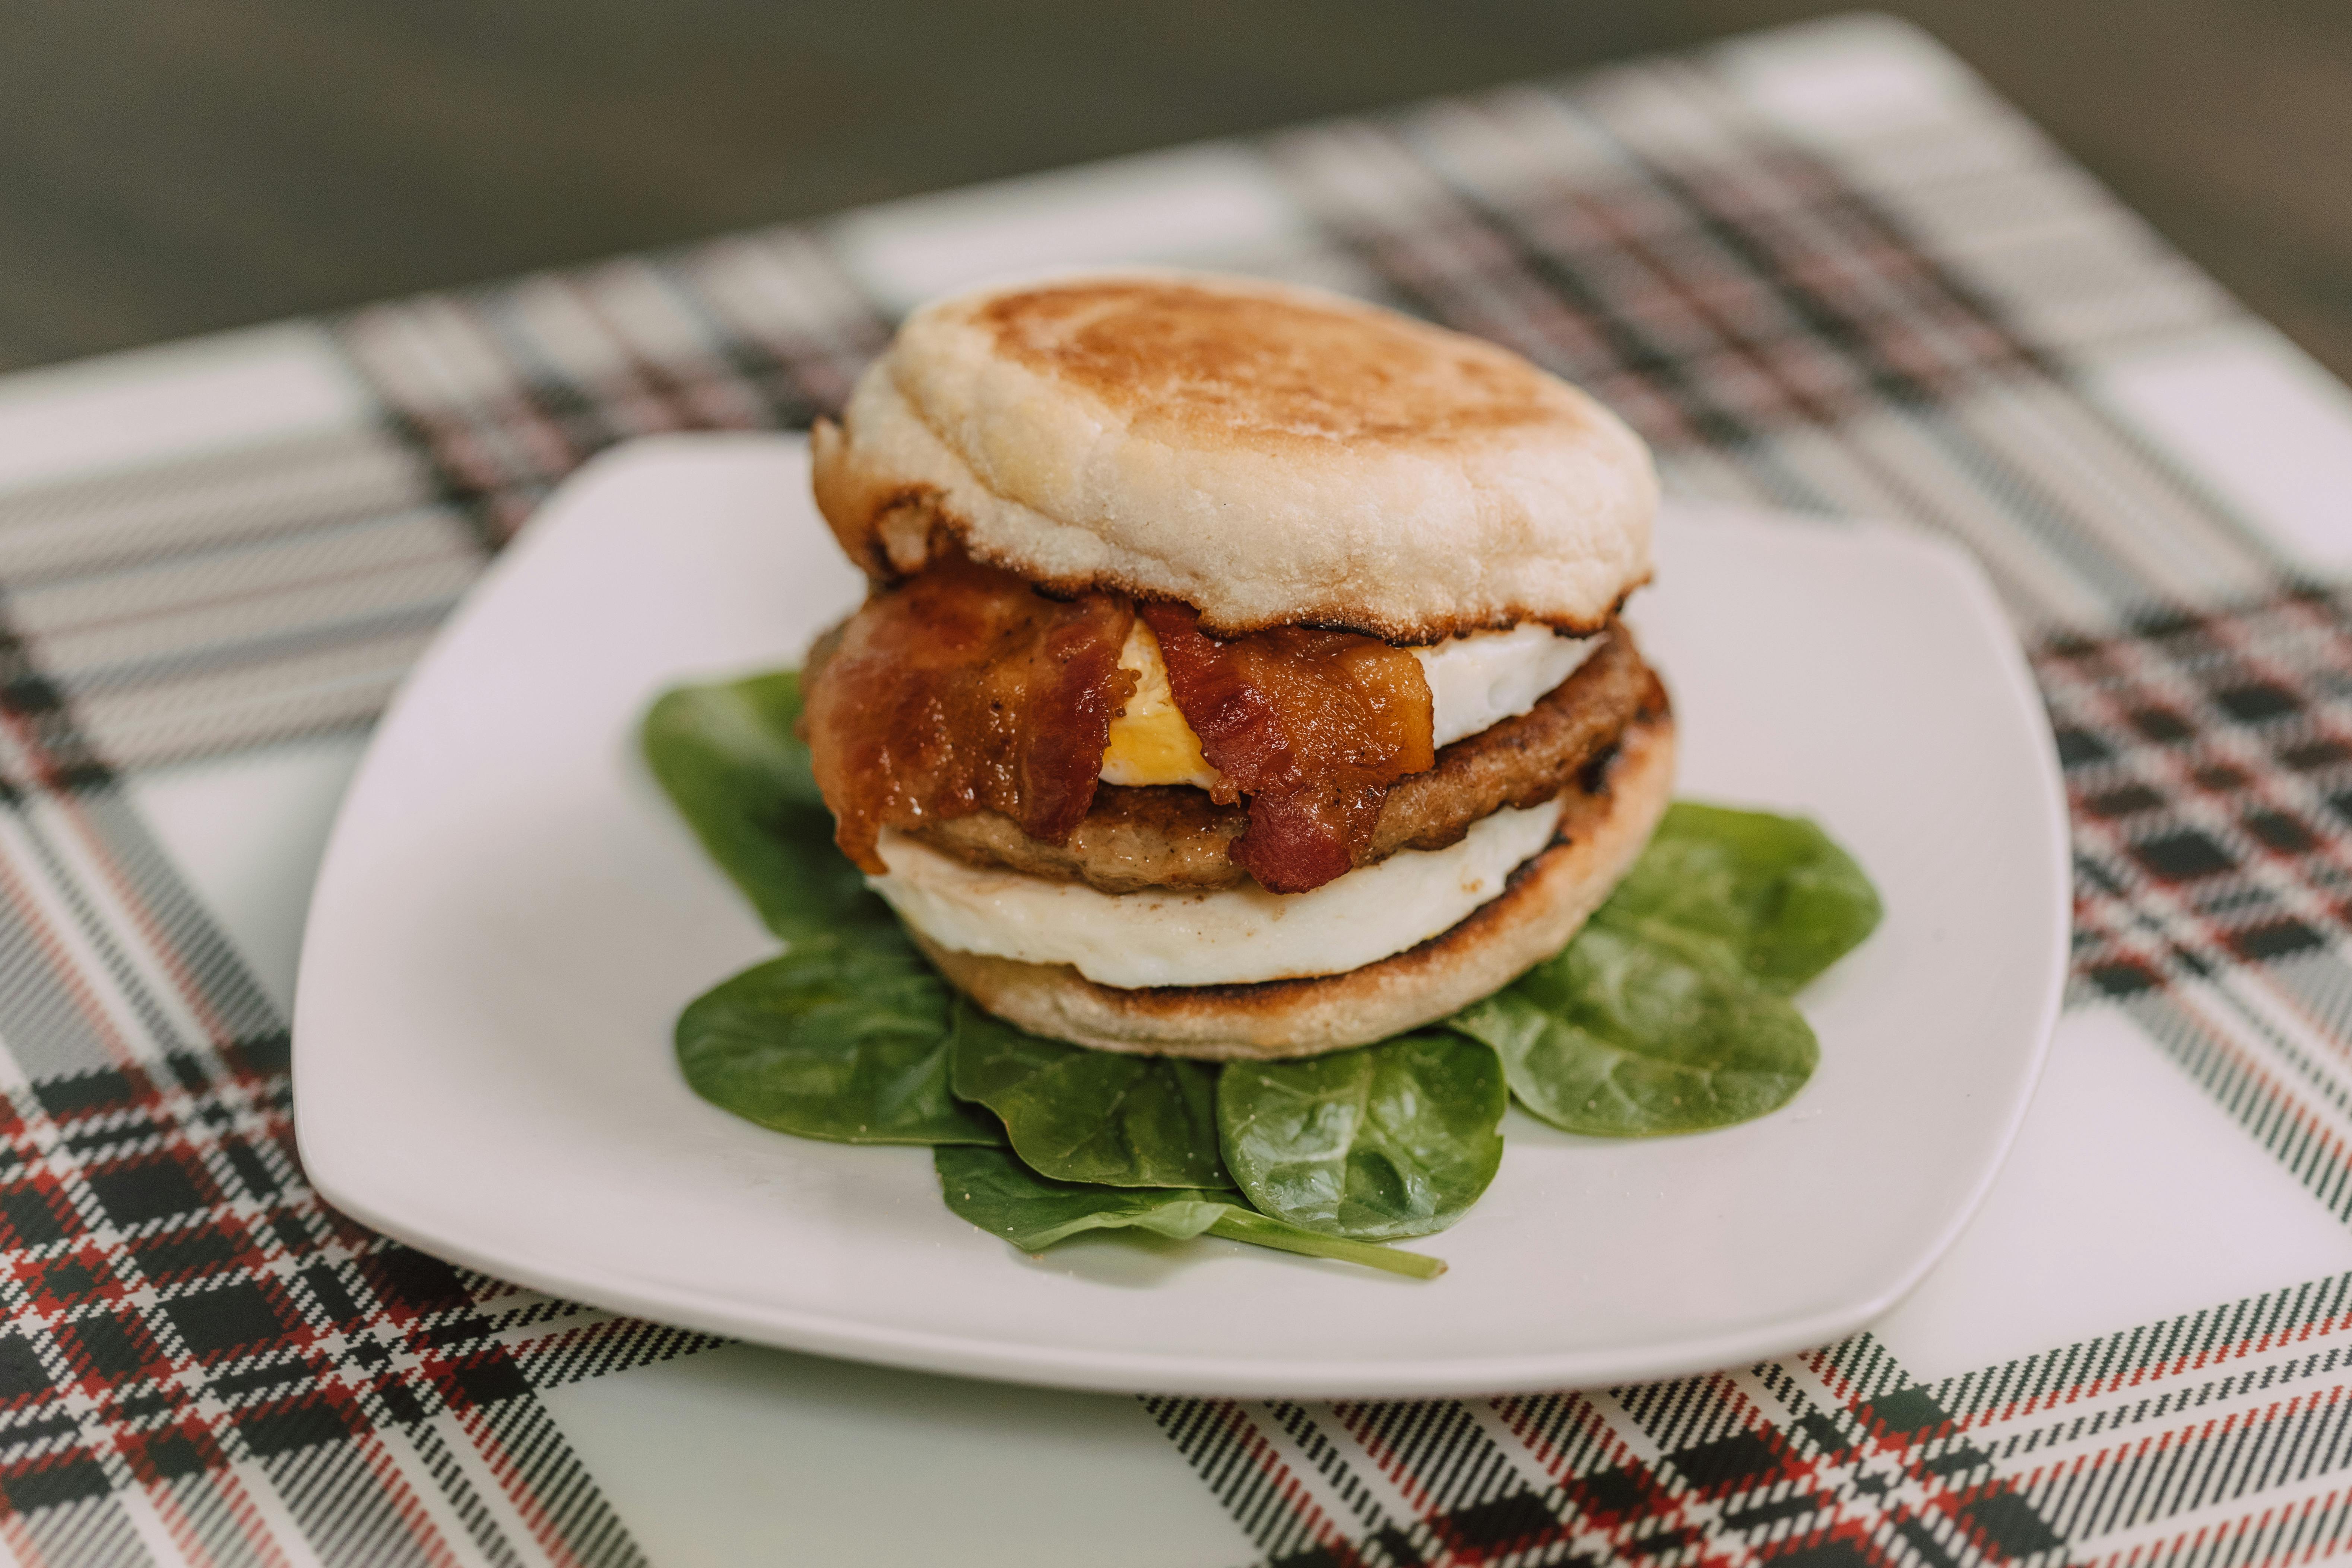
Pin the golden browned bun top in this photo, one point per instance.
(1266, 453)
(1184, 364)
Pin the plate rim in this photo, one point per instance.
(1130, 1371)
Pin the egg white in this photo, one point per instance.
(1227, 936)
(1488, 677)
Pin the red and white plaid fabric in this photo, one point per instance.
(1821, 270)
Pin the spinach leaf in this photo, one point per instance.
(727, 758)
(844, 1039)
(846, 1036)
(1387, 1139)
(1081, 1115)
(1780, 898)
(1001, 1196)
(1668, 1012)
(1629, 1035)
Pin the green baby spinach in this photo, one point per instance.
(1668, 1012)
(1627, 1037)
(838, 1038)
(1388, 1140)
(1081, 1115)
(1774, 894)
(1003, 1197)
(727, 756)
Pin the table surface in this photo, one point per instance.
(175, 168)
(1824, 269)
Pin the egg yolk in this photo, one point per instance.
(1474, 682)
(1150, 743)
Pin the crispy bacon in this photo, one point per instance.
(961, 690)
(1313, 726)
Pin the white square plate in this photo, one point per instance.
(510, 916)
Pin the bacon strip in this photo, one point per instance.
(965, 689)
(1313, 726)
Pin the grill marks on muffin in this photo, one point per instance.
(965, 689)
(1313, 726)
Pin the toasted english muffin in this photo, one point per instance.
(1266, 454)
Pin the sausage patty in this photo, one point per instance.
(1173, 836)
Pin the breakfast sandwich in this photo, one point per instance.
(1243, 673)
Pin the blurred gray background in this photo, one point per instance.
(171, 166)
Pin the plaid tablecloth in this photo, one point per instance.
(1823, 268)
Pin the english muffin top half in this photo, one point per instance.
(1268, 454)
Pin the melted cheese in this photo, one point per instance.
(1168, 936)
(1474, 682)
(1150, 741)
